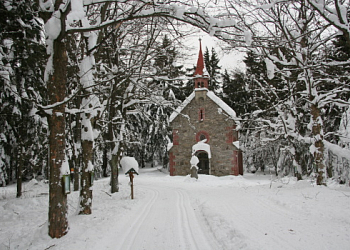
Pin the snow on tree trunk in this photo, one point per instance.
(87, 139)
(86, 180)
(89, 103)
(112, 158)
(77, 151)
(58, 208)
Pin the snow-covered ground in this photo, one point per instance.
(249, 212)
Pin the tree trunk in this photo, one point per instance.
(76, 172)
(318, 144)
(113, 147)
(19, 172)
(114, 162)
(58, 223)
(86, 182)
(104, 161)
(78, 157)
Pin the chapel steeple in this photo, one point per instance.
(201, 78)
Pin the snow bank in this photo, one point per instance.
(233, 212)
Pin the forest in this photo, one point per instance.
(84, 82)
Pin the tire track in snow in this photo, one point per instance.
(183, 220)
(179, 227)
(193, 232)
(180, 221)
(134, 229)
(167, 220)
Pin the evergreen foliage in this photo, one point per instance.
(211, 62)
(236, 93)
(22, 60)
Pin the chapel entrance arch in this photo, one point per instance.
(203, 164)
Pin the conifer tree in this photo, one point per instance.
(236, 94)
(22, 56)
(212, 65)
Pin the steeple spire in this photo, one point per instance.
(201, 78)
(200, 61)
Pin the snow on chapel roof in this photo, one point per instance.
(229, 111)
(222, 104)
(181, 107)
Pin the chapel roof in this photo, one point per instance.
(228, 110)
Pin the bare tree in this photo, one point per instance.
(293, 39)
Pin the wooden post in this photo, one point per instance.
(131, 175)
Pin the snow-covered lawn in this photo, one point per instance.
(249, 212)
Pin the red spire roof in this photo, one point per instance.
(200, 61)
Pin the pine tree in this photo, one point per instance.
(256, 76)
(166, 65)
(213, 68)
(339, 52)
(235, 93)
(22, 58)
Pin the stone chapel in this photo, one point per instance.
(204, 126)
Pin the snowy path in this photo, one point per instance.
(165, 221)
(173, 213)
(180, 213)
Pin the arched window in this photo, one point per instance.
(202, 137)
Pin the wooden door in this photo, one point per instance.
(203, 164)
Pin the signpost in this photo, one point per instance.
(131, 173)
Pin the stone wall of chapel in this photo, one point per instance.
(215, 123)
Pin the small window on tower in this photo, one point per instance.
(202, 137)
(202, 84)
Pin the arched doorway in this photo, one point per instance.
(203, 164)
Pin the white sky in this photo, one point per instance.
(228, 60)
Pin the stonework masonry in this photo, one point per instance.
(203, 118)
